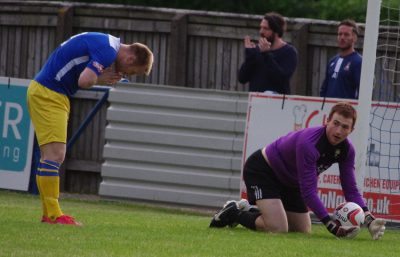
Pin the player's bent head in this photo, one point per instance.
(346, 110)
(143, 57)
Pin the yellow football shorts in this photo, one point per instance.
(49, 113)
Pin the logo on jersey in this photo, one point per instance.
(98, 66)
(347, 67)
(322, 167)
(337, 153)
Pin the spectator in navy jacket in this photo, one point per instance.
(342, 78)
(269, 63)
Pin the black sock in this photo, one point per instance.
(248, 219)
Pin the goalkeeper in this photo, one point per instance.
(281, 179)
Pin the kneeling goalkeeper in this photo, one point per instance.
(281, 180)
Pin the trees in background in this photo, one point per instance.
(316, 9)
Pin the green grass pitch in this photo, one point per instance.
(131, 229)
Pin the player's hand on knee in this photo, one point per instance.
(376, 227)
(342, 231)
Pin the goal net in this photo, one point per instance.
(382, 175)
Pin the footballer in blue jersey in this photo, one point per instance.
(342, 76)
(92, 50)
(282, 180)
(82, 61)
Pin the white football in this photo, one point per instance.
(349, 214)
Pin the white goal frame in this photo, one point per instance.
(366, 86)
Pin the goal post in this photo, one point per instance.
(366, 87)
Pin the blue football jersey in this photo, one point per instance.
(342, 77)
(61, 72)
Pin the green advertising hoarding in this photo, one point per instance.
(16, 135)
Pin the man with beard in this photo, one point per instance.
(269, 63)
(342, 78)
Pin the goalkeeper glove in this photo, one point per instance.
(376, 227)
(342, 231)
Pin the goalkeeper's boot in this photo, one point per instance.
(67, 220)
(241, 205)
(227, 216)
(244, 205)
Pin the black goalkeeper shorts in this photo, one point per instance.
(262, 183)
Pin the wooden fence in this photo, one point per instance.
(81, 169)
(192, 48)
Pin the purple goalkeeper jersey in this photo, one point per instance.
(299, 157)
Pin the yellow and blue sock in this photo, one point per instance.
(41, 196)
(48, 181)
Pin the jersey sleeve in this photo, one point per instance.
(101, 58)
(348, 180)
(324, 86)
(356, 73)
(246, 69)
